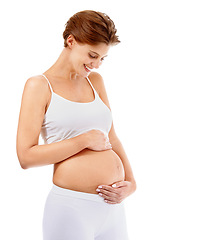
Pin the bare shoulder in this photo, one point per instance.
(36, 83)
(37, 86)
(97, 81)
(36, 93)
(95, 75)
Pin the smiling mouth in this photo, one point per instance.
(87, 68)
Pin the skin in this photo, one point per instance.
(70, 64)
(70, 70)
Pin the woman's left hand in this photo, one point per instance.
(117, 192)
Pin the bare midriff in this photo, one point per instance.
(88, 169)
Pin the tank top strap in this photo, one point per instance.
(48, 82)
(91, 86)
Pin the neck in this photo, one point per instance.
(63, 68)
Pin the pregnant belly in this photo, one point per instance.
(88, 169)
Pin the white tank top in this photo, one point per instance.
(65, 119)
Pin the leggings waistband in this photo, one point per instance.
(75, 194)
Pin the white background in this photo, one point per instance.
(159, 82)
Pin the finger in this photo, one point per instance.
(106, 188)
(104, 193)
(108, 146)
(108, 195)
(115, 199)
(111, 202)
(119, 184)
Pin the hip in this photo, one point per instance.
(77, 215)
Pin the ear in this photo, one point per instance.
(71, 41)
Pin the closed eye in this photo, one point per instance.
(95, 57)
(92, 56)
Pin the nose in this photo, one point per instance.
(97, 64)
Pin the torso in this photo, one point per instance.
(88, 169)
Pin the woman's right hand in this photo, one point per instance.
(97, 140)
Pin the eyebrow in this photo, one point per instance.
(97, 53)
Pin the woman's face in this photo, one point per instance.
(86, 57)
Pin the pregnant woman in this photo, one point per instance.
(68, 106)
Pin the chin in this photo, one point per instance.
(84, 75)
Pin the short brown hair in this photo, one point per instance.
(91, 27)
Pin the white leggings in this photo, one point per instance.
(72, 215)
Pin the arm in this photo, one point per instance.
(30, 154)
(127, 187)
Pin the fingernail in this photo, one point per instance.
(98, 190)
(99, 186)
(114, 185)
(100, 194)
